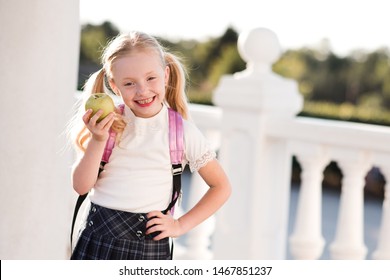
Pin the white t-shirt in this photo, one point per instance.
(138, 176)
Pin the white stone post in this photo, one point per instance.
(39, 47)
(253, 223)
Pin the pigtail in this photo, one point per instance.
(175, 90)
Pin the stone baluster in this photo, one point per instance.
(306, 241)
(349, 240)
(383, 249)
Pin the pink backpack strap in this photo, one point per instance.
(111, 140)
(176, 146)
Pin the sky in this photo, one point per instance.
(347, 25)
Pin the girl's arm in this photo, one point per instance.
(85, 170)
(213, 199)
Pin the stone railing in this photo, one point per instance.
(255, 128)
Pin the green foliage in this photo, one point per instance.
(93, 39)
(353, 88)
(346, 112)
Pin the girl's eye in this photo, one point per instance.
(129, 84)
(151, 78)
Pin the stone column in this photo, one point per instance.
(39, 47)
(253, 223)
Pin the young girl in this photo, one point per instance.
(126, 218)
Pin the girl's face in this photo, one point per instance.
(140, 79)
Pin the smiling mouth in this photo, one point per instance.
(145, 101)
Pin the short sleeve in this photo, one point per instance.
(198, 151)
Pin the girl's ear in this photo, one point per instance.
(114, 87)
(167, 72)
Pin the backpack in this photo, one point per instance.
(176, 151)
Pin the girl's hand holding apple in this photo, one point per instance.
(99, 129)
(99, 115)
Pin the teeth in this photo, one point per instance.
(145, 101)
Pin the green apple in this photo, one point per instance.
(99, 101)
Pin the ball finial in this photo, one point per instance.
(259, 46)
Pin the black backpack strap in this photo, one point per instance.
(177, 170)
(79, 202)
(176, 193)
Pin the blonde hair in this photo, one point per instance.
(120, 46)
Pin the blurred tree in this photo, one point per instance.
(295, 65)
(376, 75)
(229, 38)
(93, 39)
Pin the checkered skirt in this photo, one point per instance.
(117, 235)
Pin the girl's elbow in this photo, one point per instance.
(80, 188)
(228, 191)
(225, 191)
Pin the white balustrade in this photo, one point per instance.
(308, 140)
(354, 155)
(260, 132)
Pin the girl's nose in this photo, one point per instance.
(140, 89)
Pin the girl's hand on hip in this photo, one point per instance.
(165, 223)
(100, 129)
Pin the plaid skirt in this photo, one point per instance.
(117, 235)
